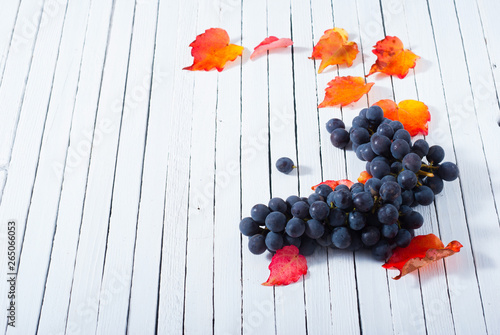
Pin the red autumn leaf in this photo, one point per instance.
(212, 50)
(423, 250)
(333, 48)
(334, 183)
(269, 43)
(344, 90)
(363, 177)
(414, 115)
(287, 266)
(392, 58)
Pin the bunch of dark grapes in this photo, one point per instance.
(378, 215)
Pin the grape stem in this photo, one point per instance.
(430, 166)
(424, 173)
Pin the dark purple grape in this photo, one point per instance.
(412, 220)
(367, 152)
(300, 209)
(259, 213)
(402, 134)
(323, 190)
(396, 167)
(288, 240)
(407, 179)
(423, 195)
(360, 122)
(372, 185)
(277, 205)
(381, 251)
(314, 228)
(291, 200)
(435, 154)
(389, 231)
(386, 130)
(390, 191)
(448, 171)
(389, 178)
(412, 162)
(399, 149)
(274, 241)
(363, 201)
(319, 210)
(341, 187)
(403, 238)
(341, 237)
(434, 183)
(379, 169)
(339, 138)
(337, 217)
(342, 199)
(284, 165)
(276, 222)
(370, 235)
(307, 246)
(387, 214)
(357, 220)
(359, 135)
(295, 227)
(257, 244)
(374, 114)
(396, 125)
(333, 124)
(421, 148)
(249, 227)
(325, 240)
(381, 145)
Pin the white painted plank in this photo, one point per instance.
(410, 296)
(146, 270)
(316, 283)
(25, 153)
(463, 95)
(94, 227)
(460, 269)
(343, 293)
(199, 256)
(172, 280)
(489, 23)
(36, 252)
(290, 316)
(368, 272)
(227, 240)
(482, 86)
(8, 17)
(60, 275)
(116, 280)
(258, 300)
(17, 67)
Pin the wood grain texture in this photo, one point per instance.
(127, 176)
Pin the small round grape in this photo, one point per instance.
(284, 165)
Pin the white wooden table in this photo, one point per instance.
(126, 176)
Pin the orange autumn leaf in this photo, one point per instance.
(212, 50)
(345, 90)
(423, 250)
(287, 266)
(333, 48)
(334, 183)
(269, 43)
(392, 58)
(363, 177)
(414, 115)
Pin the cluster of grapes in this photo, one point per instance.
(377, 215)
